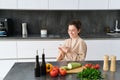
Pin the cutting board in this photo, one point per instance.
(76, 70)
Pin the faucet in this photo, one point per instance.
(116, 27)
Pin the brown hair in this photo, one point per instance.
(76, 23)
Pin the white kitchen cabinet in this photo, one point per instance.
(98, 48)
(27, 49)
(8, 49)
(8, 4)
(63, 4)
(5, 66)
(32, 4)
(93, 4)
(114, 4)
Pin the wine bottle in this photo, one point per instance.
(37, 66)
(43, 64)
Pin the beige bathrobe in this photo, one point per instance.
(78, 49)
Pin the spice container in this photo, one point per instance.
(43, 32)
(105, 64)
(113, 63)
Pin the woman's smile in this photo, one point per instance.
(72, 31)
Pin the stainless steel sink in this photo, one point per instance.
(114, 34)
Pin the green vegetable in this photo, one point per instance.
(90, 74)
(74, 65)
(65, 67)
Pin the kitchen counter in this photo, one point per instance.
(25, 71)
(61, 37)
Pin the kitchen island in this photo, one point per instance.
(25, 71)
(18, 49)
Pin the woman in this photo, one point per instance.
(74, 48)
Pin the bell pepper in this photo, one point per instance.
(49, 67)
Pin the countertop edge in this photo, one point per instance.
(47, 39)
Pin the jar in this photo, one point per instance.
(43, 32)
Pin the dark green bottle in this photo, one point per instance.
(43, 64)
(37, 66)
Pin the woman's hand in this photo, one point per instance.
(60, 56)
(64, 49)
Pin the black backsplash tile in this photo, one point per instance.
(93, 21)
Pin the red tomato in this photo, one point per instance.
(53, 72)
(89, 65)
(62, 71)
(93, 66)
(56, 68)
(97, 66)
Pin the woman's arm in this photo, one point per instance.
(79, 53)
(61, 55)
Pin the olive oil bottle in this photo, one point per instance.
(37, 66)
(43, 64)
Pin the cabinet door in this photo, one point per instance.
(8, 4)
(5, 66)
(93, 4)
(7, 49)
(98, 48)
(27, 49)
(63, 4)
(114, 4)
(32, 4)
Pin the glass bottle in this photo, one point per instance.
(37, 66)
(43, 64)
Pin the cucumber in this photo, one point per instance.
(64, 67)
(73, 65)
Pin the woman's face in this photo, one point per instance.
(73, 31)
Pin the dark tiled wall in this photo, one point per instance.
(93, 22)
